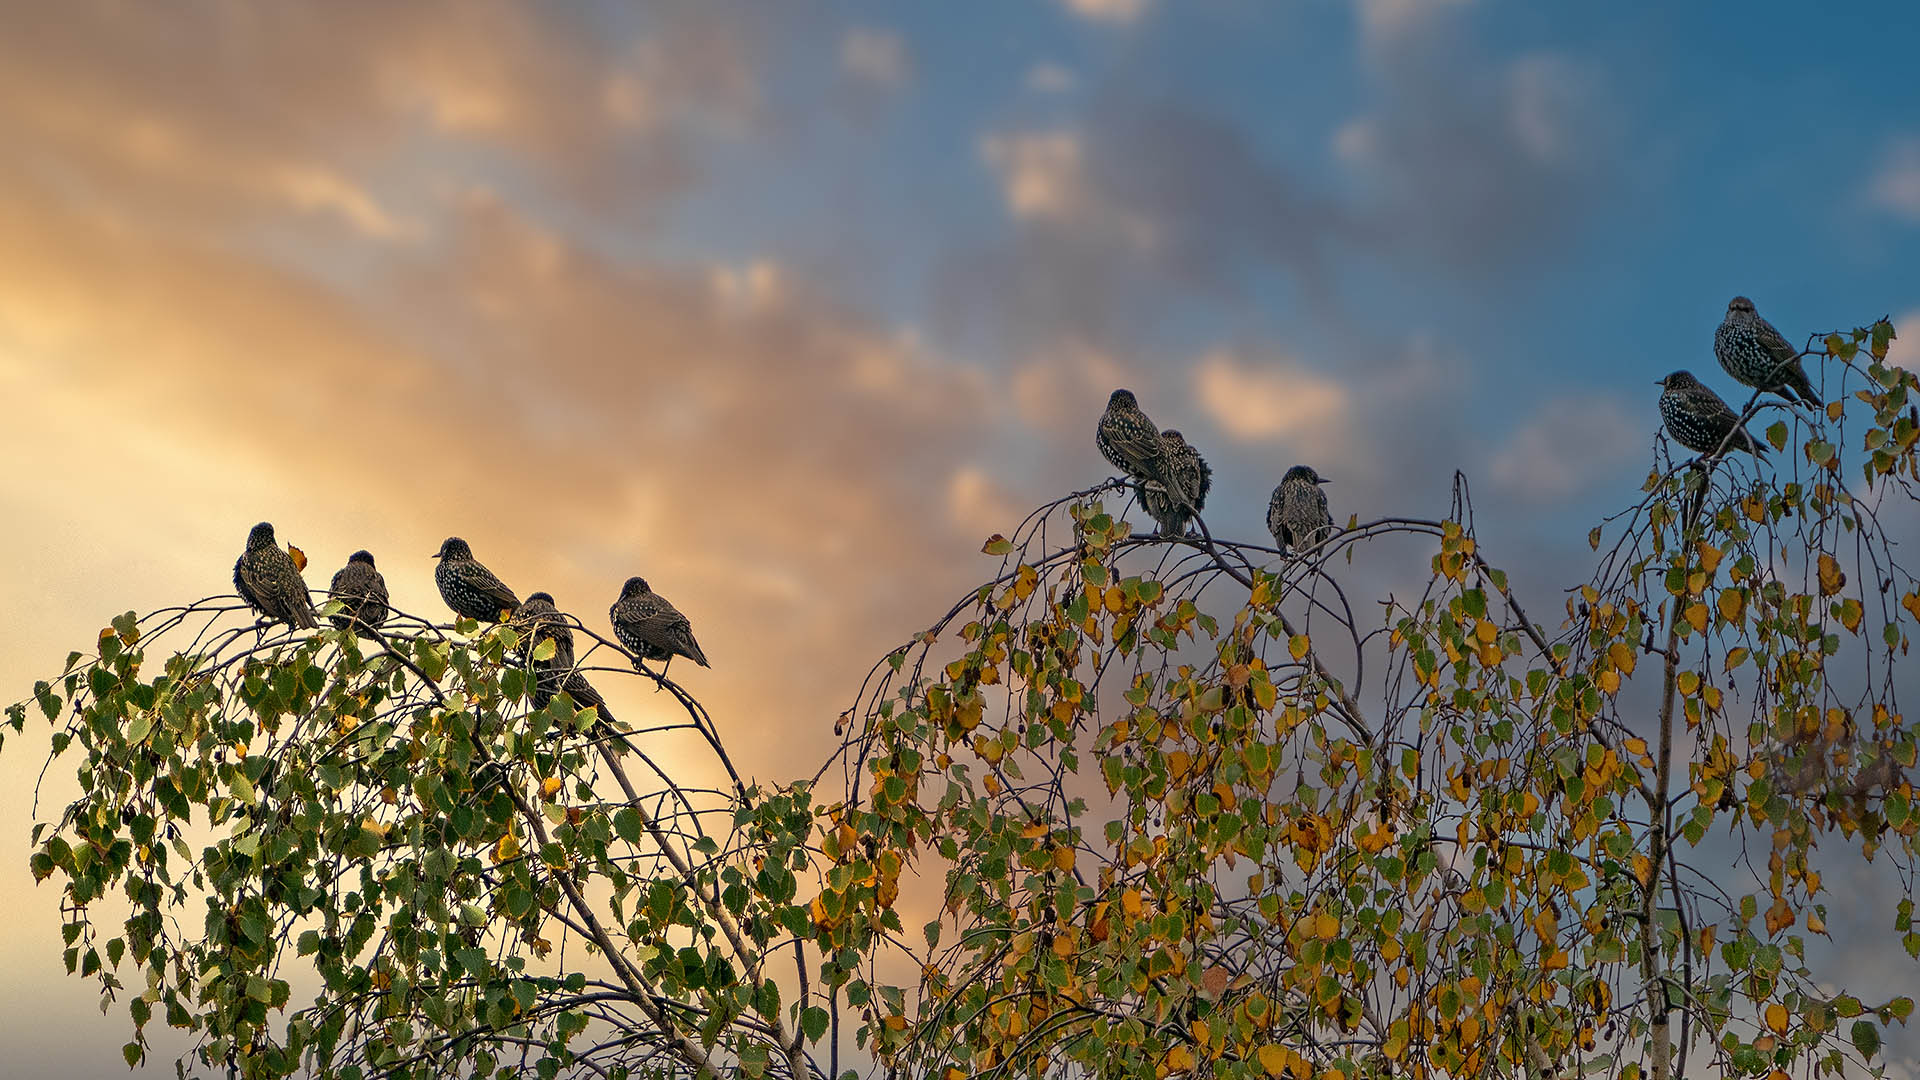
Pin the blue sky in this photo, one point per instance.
(789, 305)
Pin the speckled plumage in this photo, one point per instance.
(270, 583)
(1297, 514)
(1129, 440)
(468, 587)
(651, 627)
(1698, 420)
(1756, 354)
(1195, 478)
(364, 592)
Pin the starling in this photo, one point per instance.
(1753, 352)
(1698, 420)
(649, 626)
(1129, 440)
(1193, 475)
(1297, 513)
(268, 581)
(469, 588)
(538, 621)
(362, 589)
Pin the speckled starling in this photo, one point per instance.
(1128, 439)
(469, 588)
(364, 592)
(1698, 420)
(1755, 353)
(1195, 478)
(538, 621)
(649, 626)
(1297, 512)
(270, 583)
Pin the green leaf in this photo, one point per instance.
(813, 1021)
(546, 650)
(1777, 434)
(1866, 1038)
(132, 1053)
(627, 823)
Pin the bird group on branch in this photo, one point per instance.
(1756, 355)
(269, 580)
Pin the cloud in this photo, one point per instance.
(1895, 184)
(1905, 349)
(1116, 12)
(876, 56)
(1049, 78)
(1569, 443)
(1479, 163)
(1276, 401)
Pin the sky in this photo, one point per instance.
(788, 306)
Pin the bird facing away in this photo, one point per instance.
(270, 583)
(1297, 512)
(364, 592)
(469, 588)
(1755, 353)
(1698, 420)
(538, 620)
(649, 626)
(1195, 478)
(1128, 439)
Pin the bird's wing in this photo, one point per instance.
(481, 580)
(241, 585)
(1773, 341)
(1139, 444)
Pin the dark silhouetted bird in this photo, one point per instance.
(1193, 475)
(364, 592)
(1698, 420)
(469, 588)
(539, 621)
(1128, 439)
(270, 583)
(1755, 353)
(1297, 512)
(649, 626)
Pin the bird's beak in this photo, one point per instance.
(1659, 382)
(1323, 480)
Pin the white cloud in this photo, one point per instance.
(1905, 349)
(876, 56)
(1042, 174)
(975, 502)
(1896, 183)
(1565, 446)
(1386, 20)
(1270, 402)
(1107, 11)
(1048, 78)
(1355, 141)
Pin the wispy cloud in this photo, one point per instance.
(876, 56)
(1119, 12)
(1895, 185)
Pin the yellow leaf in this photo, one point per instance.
(1130, 903)
(1622, 656)
(1777, 1018)
(1610, 682)
(549, 787)
(1831, 577)
(1709, 557)
(896, 1022)
(1298, 646)
(1732, 603)
(1697, 616)
(1179, 1059)
(1636, 746)
(1325, 926)
(1273, 1059)
(1033, 832)
(299, 557)
(1486, 632)
(1063, 858)
(508, 848)
(1836, 408)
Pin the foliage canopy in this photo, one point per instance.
(1134, 807)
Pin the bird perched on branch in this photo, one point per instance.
(1698, 420)
(651, 627)
(538, 621)
(1755, 353)
(1128, 439)
(1297, 513)
(364, 592)
(270, 583)
(469, 588)
(1194, 477)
